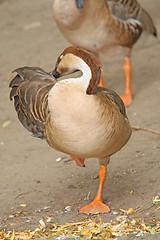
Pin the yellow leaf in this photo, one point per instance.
(156, 199)
(157, 208)
(5, 124)
(131, 192)
(91, 224)
(100, 221)
(129, 211)
(13, 235)
(146, 228)
(23, 205)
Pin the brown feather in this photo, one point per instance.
(110, 95)
(30, 89)
(127, 9)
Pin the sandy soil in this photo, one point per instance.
(29, 173)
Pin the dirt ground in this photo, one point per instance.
(29, 172)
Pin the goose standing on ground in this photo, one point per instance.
(105, 27)
(73, 115)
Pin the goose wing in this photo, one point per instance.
(30, 88)
(111, 96)
(131, 9)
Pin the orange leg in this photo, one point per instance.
(97, 206)
(127, 97)
(79, 161)
(101, 84)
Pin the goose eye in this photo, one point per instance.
(61, 57)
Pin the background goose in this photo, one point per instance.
(73, 115)
(105, 27)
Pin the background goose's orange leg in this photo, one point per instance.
(101, 84)
(97, 206)
(127, 97)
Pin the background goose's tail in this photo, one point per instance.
(147, 22)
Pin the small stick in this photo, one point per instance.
(145, 129)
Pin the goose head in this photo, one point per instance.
(74, 59)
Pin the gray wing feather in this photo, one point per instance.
(112, 96)
(30, 88)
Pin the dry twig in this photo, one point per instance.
(145, 129)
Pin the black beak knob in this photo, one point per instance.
(56, 74)
(79, 4)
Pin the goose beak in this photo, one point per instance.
(79, 4)
(55, 73)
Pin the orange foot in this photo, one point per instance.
(79, 161)
(95, 207)
(127, 99)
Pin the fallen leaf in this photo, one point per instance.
(129, 211)
(156, 200)
(42, 223)
(23, 205)
(157, 208)
(131, 192)
(152, 231)
(13, 235)
(5, 124)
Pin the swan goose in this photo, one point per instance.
(75, 115)
(105, 27)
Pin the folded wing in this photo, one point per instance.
(30, 88)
